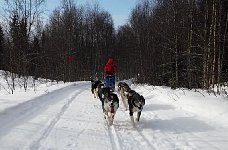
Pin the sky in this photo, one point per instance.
(119, 9)
(68, 117)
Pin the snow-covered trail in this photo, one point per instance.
(25, 125)
(70, 119)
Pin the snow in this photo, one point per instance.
(67, 117)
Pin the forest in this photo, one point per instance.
(176, 43)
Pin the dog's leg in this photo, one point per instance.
(102, 103)
(105, 114)
(109, 118)
(132, 121)
(94, 94)
(99, 94)
(132, 118)
(138, 116)
(112, 118)
(124, 102)
(92, 88)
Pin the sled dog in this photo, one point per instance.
(110, 104)
(135, 103)
(96, 88)
(123, 91)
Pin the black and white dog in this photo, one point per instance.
(96, 87)
(123, 90)
(136, 103)
(110, 104)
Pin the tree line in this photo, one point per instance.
(176, 43)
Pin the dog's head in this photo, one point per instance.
(95, 83)
(106, 92)
(137, 99)
(108, 95)
(123, 87)
(141, 101)
(120, 84)
(114, 97)
(125, 90)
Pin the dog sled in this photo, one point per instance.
(110, 82)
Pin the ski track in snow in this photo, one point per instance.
(15, 115)
(114, 139)
(46, 131)
(86, 111)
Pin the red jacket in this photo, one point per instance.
(110, 68)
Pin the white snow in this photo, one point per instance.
(67, 117)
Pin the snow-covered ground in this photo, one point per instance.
(67, 117)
